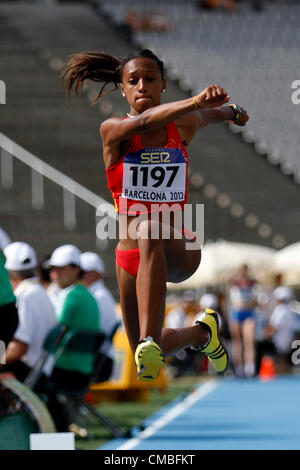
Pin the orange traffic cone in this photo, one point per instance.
(267, 369)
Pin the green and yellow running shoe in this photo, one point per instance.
(214, 349)
(149, 360)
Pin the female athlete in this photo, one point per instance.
(146, 165)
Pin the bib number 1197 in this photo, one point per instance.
(157, 173)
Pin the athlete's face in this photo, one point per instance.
(142, 84)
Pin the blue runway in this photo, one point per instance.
(225, 414)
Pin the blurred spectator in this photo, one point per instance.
(147, 21)
(134, 21)
(93, 271)
(209, 301)
(76, 308)
(176, 317)
(8, 310)
(281, 327)
(44, 272)
(36, 313)
(215, 302)
(242, 322)
(182, 361)
(51, 287)
(229, 5)
(190, 306)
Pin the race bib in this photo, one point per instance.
(157, 175)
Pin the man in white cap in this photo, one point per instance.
(76, 308)
(281, 326)
(93, 271)
(8, 311)
(36, 313)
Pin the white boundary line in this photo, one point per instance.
(170, 415)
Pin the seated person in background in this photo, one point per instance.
(76, 308)
(36, 313)
(92, 277)
(281, 328)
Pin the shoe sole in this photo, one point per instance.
(150, 369)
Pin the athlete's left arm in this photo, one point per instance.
(188, 124)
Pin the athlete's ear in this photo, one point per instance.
(164, 86)
(122, 91)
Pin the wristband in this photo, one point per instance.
(197, 106)
(237, 112)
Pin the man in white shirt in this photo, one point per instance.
(281, 326)
(36, 312)
(93, 271)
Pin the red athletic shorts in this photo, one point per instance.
(129, 260)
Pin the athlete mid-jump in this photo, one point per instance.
(140, 181)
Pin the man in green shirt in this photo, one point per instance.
(76, 308)
(8, 312)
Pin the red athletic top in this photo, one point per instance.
(145, 178)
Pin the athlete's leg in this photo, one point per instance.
(148, 357)
(161, 260)
(248, 332)
(172, 339)
(129, 306)
(175, 339)
(151, 287)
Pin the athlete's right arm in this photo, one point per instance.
(116, 130)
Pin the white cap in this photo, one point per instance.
(283, 293)
(92, 262)
(4, 239)
(19, 257)
(209, 301)
(64, 255)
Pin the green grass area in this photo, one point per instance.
(131, 414)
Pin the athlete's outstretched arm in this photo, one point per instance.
(190, 123)
(224, 113)
(114, 130)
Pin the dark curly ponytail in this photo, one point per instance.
(100, 67)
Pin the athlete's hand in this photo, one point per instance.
(211, 97)
(242, 119)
